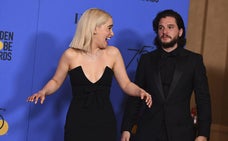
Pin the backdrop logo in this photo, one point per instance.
(3, 124)
(139, 52)
(77, 17)
(6, 45)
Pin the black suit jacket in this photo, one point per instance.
(173, 111)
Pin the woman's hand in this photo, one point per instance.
(147, 97)
(37, 96)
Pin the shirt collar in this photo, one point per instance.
(173, 53)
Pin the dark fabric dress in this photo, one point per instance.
(90, 116)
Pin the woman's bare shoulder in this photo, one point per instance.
(112, 50)
(71, 52)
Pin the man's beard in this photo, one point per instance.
(168, 44)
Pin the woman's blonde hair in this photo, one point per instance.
(89, 20)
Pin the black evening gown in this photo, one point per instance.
(90, 116)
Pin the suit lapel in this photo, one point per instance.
(176, 76)
(157, 76)
(179, 66)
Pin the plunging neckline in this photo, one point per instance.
(80, 67)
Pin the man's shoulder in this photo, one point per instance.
(151, 53)
(191, 53)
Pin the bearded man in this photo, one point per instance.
(170, 74)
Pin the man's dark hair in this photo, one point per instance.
(180, 23)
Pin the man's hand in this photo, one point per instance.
(201, 138)
(125, 136)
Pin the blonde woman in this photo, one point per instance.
(91, 64)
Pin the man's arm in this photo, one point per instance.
(203, 101)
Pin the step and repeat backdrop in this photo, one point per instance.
(34, 34)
